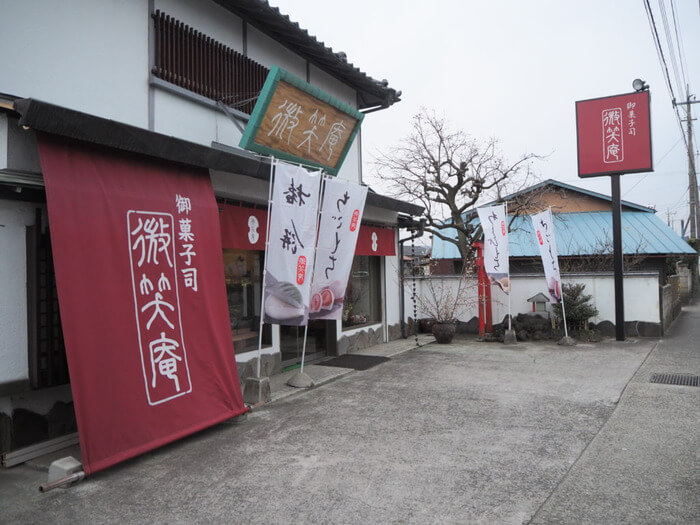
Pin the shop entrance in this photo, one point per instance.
(320, 342)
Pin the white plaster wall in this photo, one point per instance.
(332, 86)
(641, 294)
(183, 118)
(86, 55)
(14, 218)
(269, 52)
(352, 166)
(393, 289)
(207, 17)
(442, 286)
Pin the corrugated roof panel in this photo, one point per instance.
(588, 233)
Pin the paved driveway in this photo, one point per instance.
(443, 434)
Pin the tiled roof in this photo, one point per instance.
(261, 15)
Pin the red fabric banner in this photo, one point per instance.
(140, 280)
(376, 241)
(242, 228)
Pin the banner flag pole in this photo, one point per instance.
(563, 310)
(301, 380)
(303, 348)
(267, 242)
(510, 283)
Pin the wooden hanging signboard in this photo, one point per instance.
(298, 122)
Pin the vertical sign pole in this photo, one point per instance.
(267, 242)
(617, 258)
(319, 214)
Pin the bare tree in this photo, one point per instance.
(447, 172)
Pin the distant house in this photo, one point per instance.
(416, 260)
(583, 223)
(583, 227)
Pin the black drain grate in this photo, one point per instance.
(676, 379)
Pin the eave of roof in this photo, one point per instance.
(49, 118)
(267, 19)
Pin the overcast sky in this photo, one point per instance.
(513, 69)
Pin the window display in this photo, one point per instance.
(243, 273)
(363, 305)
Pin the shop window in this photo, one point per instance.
(198, 63)
(363, 297)
(243, 272)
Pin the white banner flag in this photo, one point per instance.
(544, 232)
(289, 257)
(341, 215)
(495, 226)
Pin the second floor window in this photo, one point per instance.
(198, 63)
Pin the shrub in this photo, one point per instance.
(577, 307)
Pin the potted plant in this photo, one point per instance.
(441, 299)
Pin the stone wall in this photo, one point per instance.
(670, 296)
(685, 277)
(270, 364)
(24, 427)
(360, 340)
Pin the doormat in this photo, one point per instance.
(355, 361)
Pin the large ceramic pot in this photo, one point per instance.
(444, 332)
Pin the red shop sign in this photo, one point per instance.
(614, 135)
(374, 240)
(242, 228)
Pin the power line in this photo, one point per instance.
(657, 165)
(679, 42)
(664, 66)
(669, 43)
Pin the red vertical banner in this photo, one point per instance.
(139, 270)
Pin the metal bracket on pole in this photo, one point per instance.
(223, 107)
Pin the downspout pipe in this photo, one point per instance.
(418, 227)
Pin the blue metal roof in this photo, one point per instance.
(587, 233)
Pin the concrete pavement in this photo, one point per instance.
(459, 433)
(643, 466)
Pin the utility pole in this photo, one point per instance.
(694, 218)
